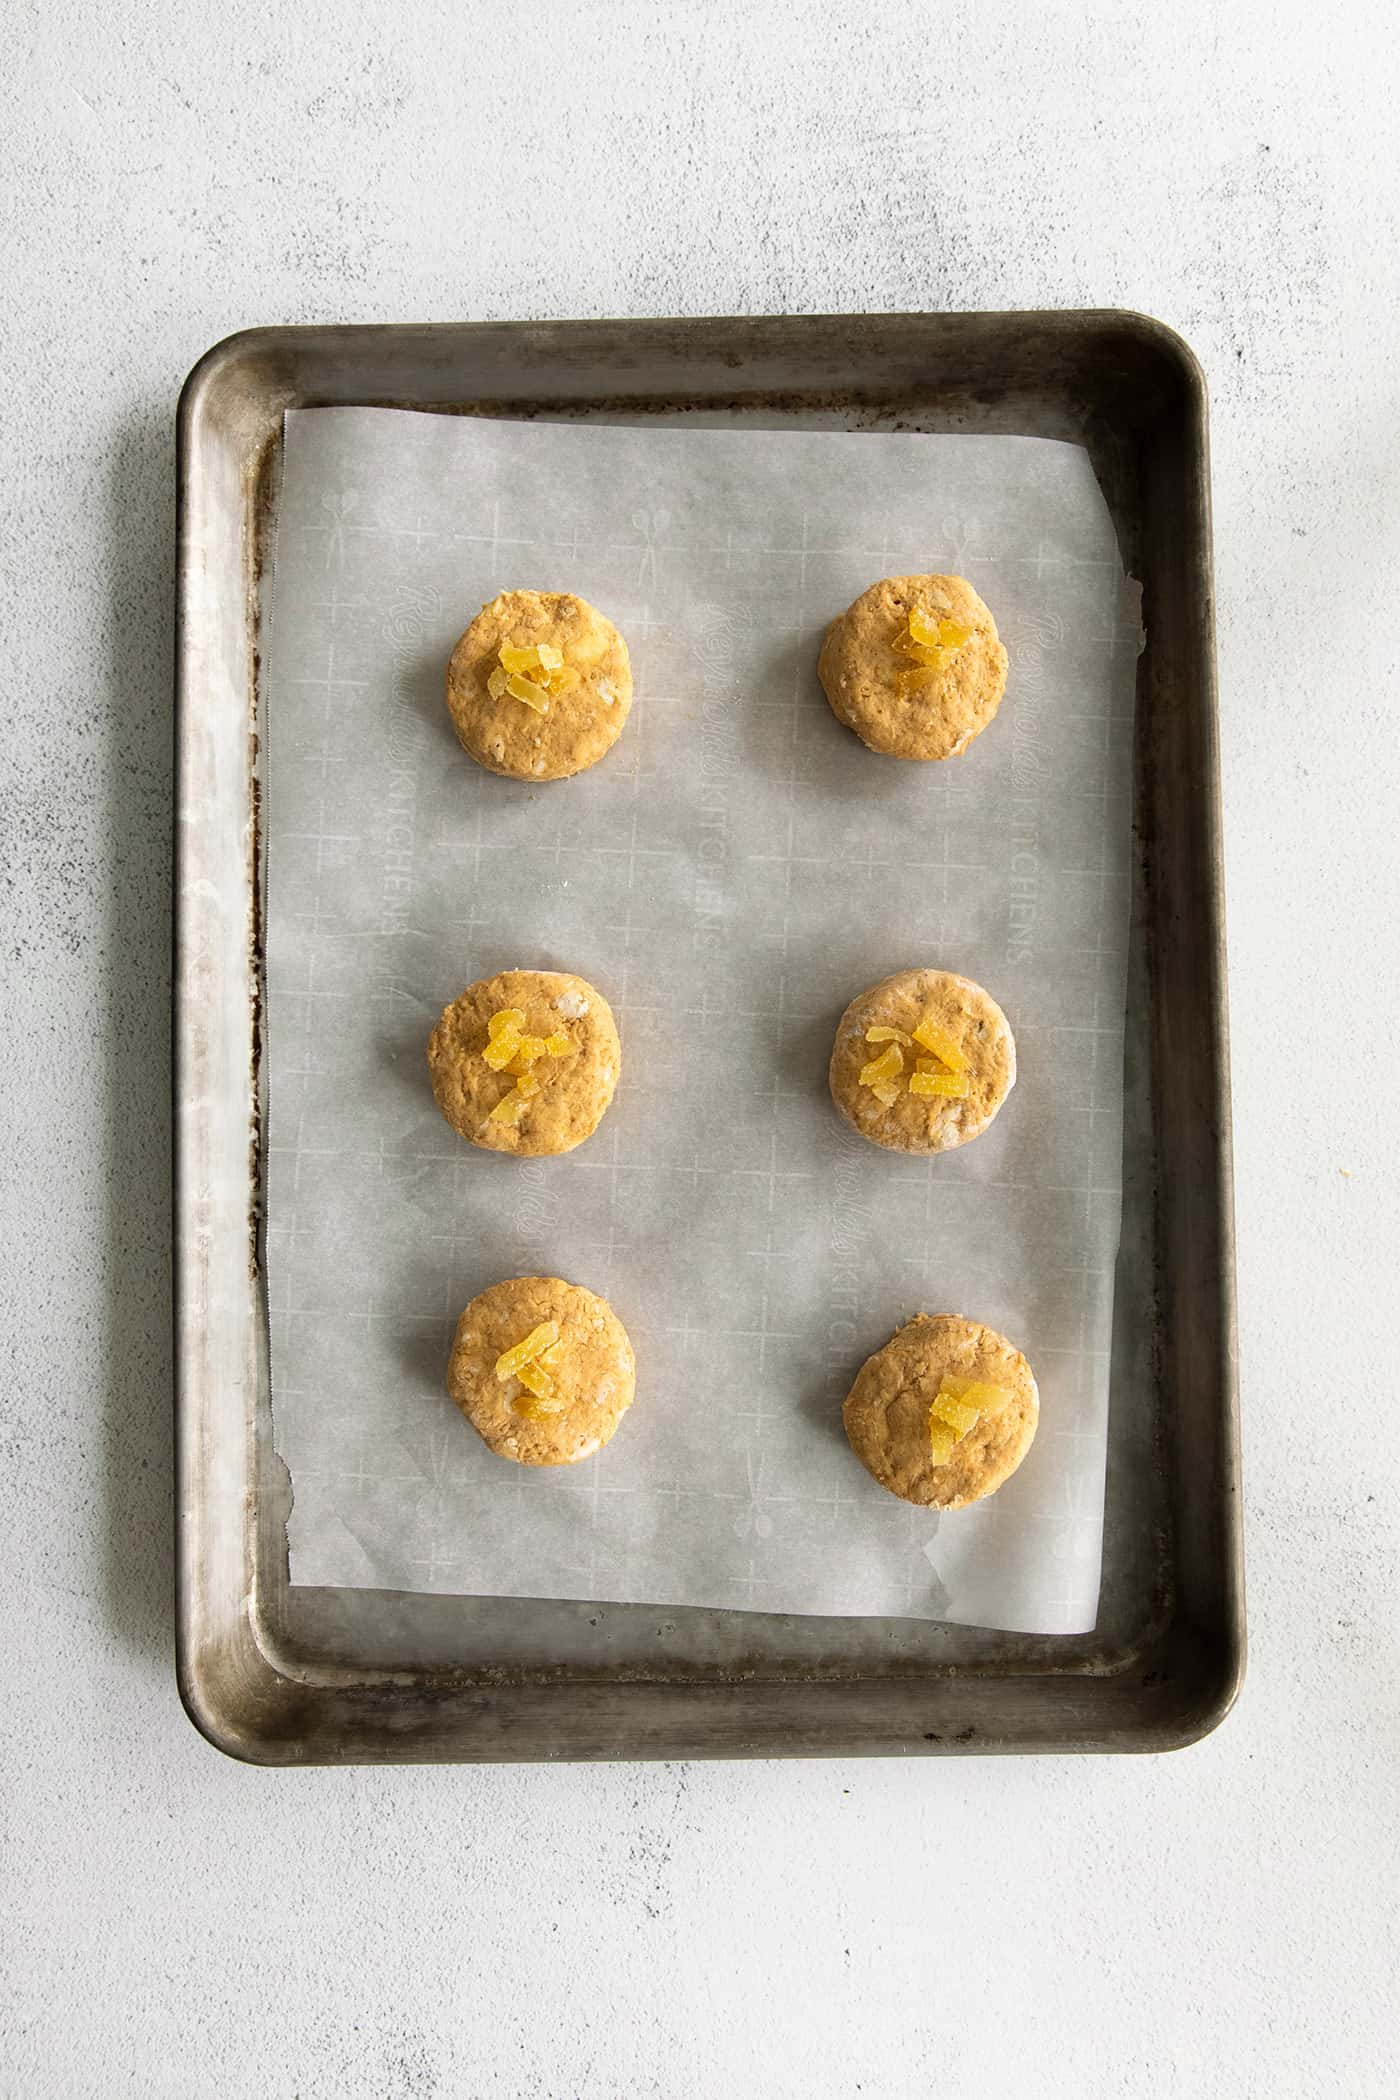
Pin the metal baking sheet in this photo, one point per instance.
(285, 1675)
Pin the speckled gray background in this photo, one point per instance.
(1213, 1923)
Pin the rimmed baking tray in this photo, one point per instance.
(278, 1674)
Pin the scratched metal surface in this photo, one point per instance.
(336, 1674)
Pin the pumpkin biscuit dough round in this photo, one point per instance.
(520, 712)
(920, 1102)
(526, 1062)
(542, 1369)
(893, 1419)
(924, 693)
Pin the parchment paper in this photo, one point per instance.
(730, 876)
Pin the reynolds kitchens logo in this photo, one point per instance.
(534, 1218)
(412, 619)
(721, 635)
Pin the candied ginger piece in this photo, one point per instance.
(531, 672)
(884, 1070)
(517, 656)
(534, 1344)
(886, 1094)
(960, 1415)
(987, 1399)
(496, 683)
(930, 1037)
(528, 1048)
(905, 645)
(503, 1038)
(933, 631)
(509, 1108)
(559, 1044)
(533, 695)
(951, 1086)
(533, 1410)
(959, 1405)
(535, 1407)
(885, 1035)
(910, 682)
(551, 1357)
(940, 1442)
(536, 1380)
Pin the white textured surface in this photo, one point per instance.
(1216, 1922)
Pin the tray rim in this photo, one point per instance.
(232, 1690)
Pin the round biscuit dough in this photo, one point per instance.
(595, 1377)
(574, 1091)
(886, 1412)
(583, 723)
(919, 1122)
(859, 668)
